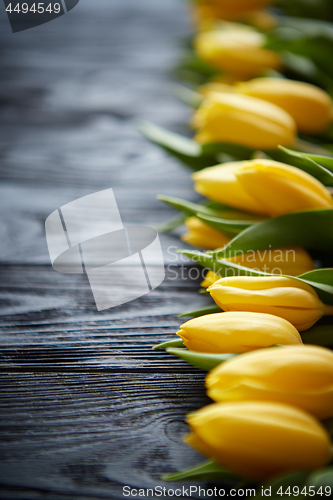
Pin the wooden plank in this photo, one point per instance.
(65, 332)
(38, 295)
(88, 434)
(86, 405)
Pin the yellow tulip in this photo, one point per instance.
(216, 86)
(226, 9)
(310, 106)
(259, 440)
(236, 49)
(202, 235)
(262, 186)
(282, 189)
(220, 183)
(301, 376)
(287, 298)
(244, 120)
(237, 332)
(290, 261)
(262, 20)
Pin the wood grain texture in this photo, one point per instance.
(86, 405)
(88, 434)
(50, 325)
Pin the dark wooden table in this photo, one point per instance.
(86, 405)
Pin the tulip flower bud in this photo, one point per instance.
(310, 106)
(262, 186)
(287, 298)
(238, 50)
(234, 332)
(216, 86)
(202, 235)
(290, 261)
(263, 20)
(259, 440)
(226, 9)
(282, 189)
(220, 184)
(301, 376)
(244, 120)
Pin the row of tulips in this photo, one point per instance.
(266, 210)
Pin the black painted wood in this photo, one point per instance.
(86, 405)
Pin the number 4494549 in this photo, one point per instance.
(295, 491)
(35, 8)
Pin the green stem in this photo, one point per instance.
(170, 343)
(309, 147)
(328, 310)
(202, 360)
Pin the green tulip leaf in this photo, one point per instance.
(223, 148)
(188, 96)
(204, 361)
(318, 49)
(309, 165)
(283, 482)
(328, 424)
(189, 208)
(171, 224)
(319, 279)
(201, 312)
(184, 149)
(232, 220)
(311, 28)
(191, 153)
(169, 343)
(318, 335)
(311, 229)
(324, 161)
(300, 65)
(215, 205)
(324, 277)
(313, 9)
(311, 39)
(323, 477)
(207, 471)
(193, 66)
(226, 225)
(221, 267)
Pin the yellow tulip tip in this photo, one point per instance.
(181, 334)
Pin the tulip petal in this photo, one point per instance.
(282, 189)
(220, 183)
